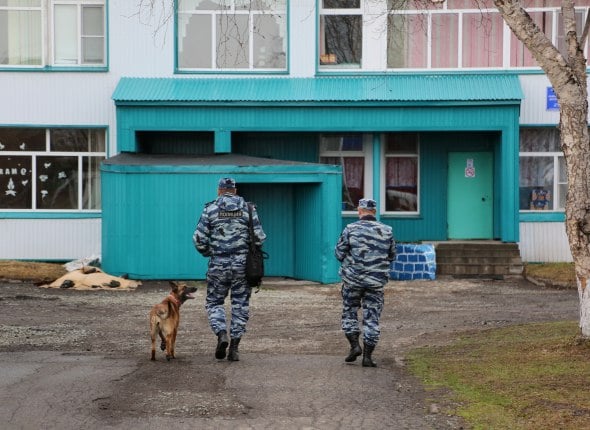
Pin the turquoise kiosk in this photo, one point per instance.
(151, 205)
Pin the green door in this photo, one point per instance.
(470, 195)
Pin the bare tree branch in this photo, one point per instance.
(157, 14)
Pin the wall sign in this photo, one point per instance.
(469, 168)
(551, 99)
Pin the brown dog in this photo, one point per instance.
(165, 317)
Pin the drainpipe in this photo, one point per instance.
(377, 172)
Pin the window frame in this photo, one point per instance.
(48, 34)
(460, 13)
(556, 194)
(366, 153)
(80, 36)
(328, 11)
(383, 179)
(34, 174)
(215, 15)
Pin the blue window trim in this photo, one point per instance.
(228, 72)
(46, 69)
(179, 71)
(401, 215)
(62, 126)
(51, 215)
(541, 217)
(413, 72)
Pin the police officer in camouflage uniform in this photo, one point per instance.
(365, 249)
(222, 234)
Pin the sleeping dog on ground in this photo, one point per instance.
(165, 317)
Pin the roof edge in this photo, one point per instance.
(379, 90)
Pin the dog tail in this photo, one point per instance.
(154, 323)
(161, 310)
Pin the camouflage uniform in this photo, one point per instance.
(222, 234)
(365, 249)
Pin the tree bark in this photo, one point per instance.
(568, 77)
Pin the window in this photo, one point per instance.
(21, 33)
(78, 32)
(482, 39)
(232, 35)
(401, 172)
(407, 41)
(561, 43)
(543, 181)
(464, 34)
(50, 169)
(341, 34)
(351, 151)
(76, 28)
(520, 56)
(411, 33)
(408, 33)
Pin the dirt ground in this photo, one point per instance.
(80, 359)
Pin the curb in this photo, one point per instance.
(541, 282)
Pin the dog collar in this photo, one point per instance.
(174, 299)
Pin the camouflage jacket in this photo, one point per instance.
(222, 229)
(365, 249)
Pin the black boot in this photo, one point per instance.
(367, 360)
(233, 354)
(355, 348)
(222, 342)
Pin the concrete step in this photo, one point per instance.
(479, 252)
(478, 259)
(479, 269)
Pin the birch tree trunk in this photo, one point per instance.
(567, 75)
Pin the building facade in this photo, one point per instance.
(117, 118)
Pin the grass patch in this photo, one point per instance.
(32, 271)
(521, 377)
(560, 273)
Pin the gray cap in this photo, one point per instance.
(368, 204)
(227, 183)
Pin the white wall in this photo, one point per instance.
(544, 242)
(303, 46)
(49, 239)
(140, 44)
(534, 106)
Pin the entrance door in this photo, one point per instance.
(295, 239)
(470, 195)
(275, 206)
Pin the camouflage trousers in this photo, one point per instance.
(226, 275)
(371, 301)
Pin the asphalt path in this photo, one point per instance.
(79, 360)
